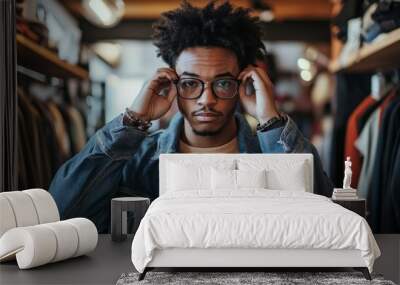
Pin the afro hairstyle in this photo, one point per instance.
(211, 26)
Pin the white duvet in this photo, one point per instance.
(253, 218)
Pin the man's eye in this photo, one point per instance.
(226, 84)
(189, 84)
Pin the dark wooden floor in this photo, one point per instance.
(106, 264)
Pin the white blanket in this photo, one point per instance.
(250, 219)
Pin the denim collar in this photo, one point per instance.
(168, 141)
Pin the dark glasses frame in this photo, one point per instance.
(203, 85)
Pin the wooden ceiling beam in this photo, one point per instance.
(283, 9)
(300, 10)
(315, 31)
(142, 9)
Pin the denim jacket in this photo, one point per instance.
(123, 161)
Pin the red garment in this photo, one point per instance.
(352, 134)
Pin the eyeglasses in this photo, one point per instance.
(193, 88)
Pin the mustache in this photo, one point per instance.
(214, 112)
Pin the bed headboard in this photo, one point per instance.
(276, 161)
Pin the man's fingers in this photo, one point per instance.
(262, 74)
(165, 76)
(255, 81)
(169, 71)
(163, 80)
(243, 95)
(166, 69)
(172, 93)
(248, 103)
(167, 87)
(244, 72)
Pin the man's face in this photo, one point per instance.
(208, 114)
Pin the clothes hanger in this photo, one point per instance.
(381, 84)
(31, 74)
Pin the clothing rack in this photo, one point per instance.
(32, 54)
(31, 74)
(40, 77)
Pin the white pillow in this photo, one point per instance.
(251, 178)
(184, 175)
(181, 178)
(223, 179)
(288, 175)
(293, 180)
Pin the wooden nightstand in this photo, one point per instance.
(357, 205)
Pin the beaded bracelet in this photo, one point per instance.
(131, 119)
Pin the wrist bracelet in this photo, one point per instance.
(270, 123)
(132, 119)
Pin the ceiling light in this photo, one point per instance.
(109, 52)
(266, 16)
(265, 11)
(103, 13)
(303, 63)
(306, 75)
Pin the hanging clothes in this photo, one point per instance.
(31, 141)
(369, 110)
(23, 155)
(76, 129)
(45, 137)
(379, 182)
(61, 130)
(351, 89)
(388, 219)
(394, 186)
(44, 141)
(352, 134)
(367, 144)
(48, 145)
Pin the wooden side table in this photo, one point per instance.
(119, 208)
(358, 206)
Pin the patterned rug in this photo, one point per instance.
(243, 278)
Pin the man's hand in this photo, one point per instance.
(260, 105)
(150, 104)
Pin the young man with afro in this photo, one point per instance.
(210, 53)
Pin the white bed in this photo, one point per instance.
(199, 226)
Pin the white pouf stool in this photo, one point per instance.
(31, 231)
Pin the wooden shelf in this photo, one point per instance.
(43, 60)
(381, 55)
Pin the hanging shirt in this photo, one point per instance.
(229, 147)
(379, 178)
(390, 215)
(60, 129)
(367, 144)
(394, 190)
(77, 126)
(352, 133)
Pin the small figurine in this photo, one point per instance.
(347, 174)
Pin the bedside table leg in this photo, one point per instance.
(364, 271)
(143, 274)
